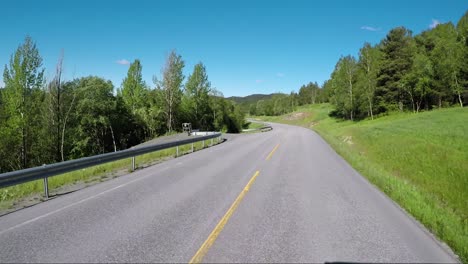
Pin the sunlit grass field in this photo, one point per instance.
(419, 160)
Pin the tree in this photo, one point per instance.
(170, 88)
(57, 106)
(95, 107)
(217, 106)
(23, 79)
(343, 80)
(308, 94)
(369, 63)
(397, 49)
(253, 109)
(134, 89)
(462, 29)
(197, 89)
(447, 57)
(153, 115)
(417, 82)
(349, 67)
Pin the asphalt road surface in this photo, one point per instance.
(278, 196)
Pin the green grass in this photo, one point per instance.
(419, 160)
(11, 195)
(252, 125)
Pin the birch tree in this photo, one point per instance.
(171, 88)
(369, 59)
(23, 79)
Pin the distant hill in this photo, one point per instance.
(253, 98)
(246, 101)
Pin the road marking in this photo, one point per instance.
(197, 258)
(76, 203)
(272, 152)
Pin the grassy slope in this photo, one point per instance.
(252, 125)
(419, 160)
(16, 194)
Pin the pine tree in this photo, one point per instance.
(397, 50)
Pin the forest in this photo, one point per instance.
(401, 73)
(47, 121)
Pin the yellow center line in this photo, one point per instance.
(271, 153)
(197, 258)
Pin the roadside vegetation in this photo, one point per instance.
(254, 125)
(47, 121)
(403, 72)
(251, 127)
(419, 160)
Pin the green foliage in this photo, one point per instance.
(134, 90)
(447, 57)
(344, 82)
(43, 123)
(95, 106)
(417, 83)
(370, 59)
(21, 105)
(397, 49)
(197, 98)
(170, 89)
(245, 103)
(277, 104)
(402, 73)
(310, 94)
(462, 29)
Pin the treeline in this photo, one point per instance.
(403, 73)
(280, 104)
(43, 122)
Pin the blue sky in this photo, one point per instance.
(247, 46)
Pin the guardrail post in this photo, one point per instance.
(203, 144)
(211, 142)
(192, 146)
(133, 163)
(46, 188)
(177, 151)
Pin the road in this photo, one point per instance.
(278, 196)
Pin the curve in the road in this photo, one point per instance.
(280, 196)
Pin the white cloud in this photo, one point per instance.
(2, 84)
(123, 62)
(280, 74)
(434, 23)
(368, 28)
(258, 81)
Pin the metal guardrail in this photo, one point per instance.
(261, 129)
(265, 128)
(45, 171)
